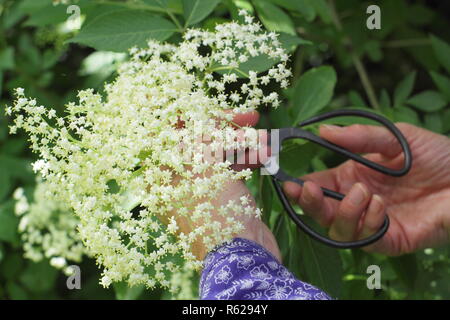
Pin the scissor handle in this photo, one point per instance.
(321, 238)
(369, 115)
(290, 133)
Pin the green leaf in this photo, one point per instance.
(16, 292)
(404, 89)
(317, 164)
(49, 15)
(290, 42)
(17, 167)
(121, 30)
(442, 52)
(356, 99)
(406, 115)
(320, 265)
(374, 51)
(306, 9)
(266, 197)
(12, 267)
(322, 9)
(280, 117)
(446, 121)
(259, 64)
(287, 4)
(443, 83)
(124, 292)
(313, 92)
(158, 3)
(385, 103)
(95, 10)
(428, 101)
(7, 59)
(39, 277)
(50, 58)
(197, 10)
(433, 122)
(295, 158)
(32, 6)
(406, 269)
(1, 91)
(273, 18)
(5, 184)
(8, 223)
(11, 16)
(385, 100)
(280, 231)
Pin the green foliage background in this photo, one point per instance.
(401, 71)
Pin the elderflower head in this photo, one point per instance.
(48, 229)
(133, 163)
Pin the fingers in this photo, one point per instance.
(312, 202)
(254, 157)
(249, 119)
(350, 212)
(248, 158)
(311, 199)
(374, 217)
(362, 139)
(359, 215)
(310, 196)
(326, 179)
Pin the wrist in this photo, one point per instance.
(256, 231)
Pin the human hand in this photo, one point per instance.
(417, 203)
(253, 228)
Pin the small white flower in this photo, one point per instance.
(18, 194)
(58, 262)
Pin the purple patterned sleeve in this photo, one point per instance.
(243, 270)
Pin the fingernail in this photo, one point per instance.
(331, 127)
(357, 194)
(378, 203)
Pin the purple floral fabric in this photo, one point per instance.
(243, 270)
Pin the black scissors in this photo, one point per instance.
(296, 133)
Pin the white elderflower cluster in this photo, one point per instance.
(135, 166)
(48, 229)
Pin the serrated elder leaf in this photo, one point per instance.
(404, 89)
(120, 30)
(318, 264)
(274, 18)
(442, 52)
(428, 101)
(197, 10)
(443, 83)
(313, 92)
